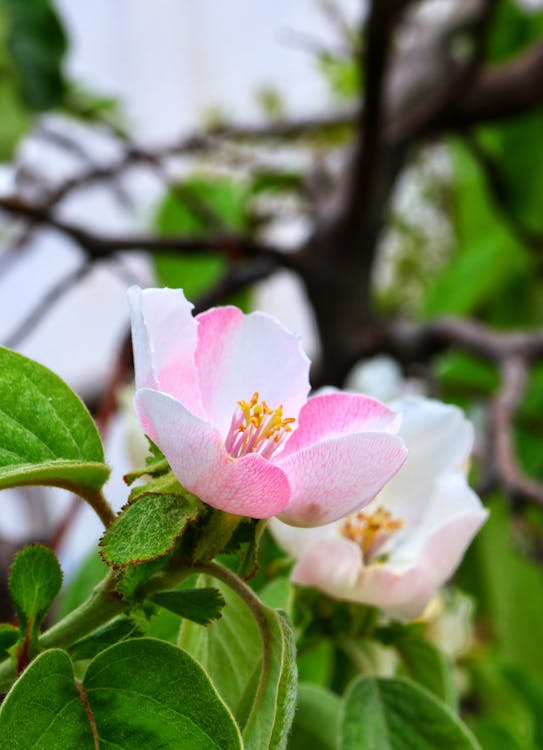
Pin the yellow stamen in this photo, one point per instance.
(263, 428)
(370, 531)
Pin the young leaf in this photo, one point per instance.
(394, 714)
(316, 720)
(44, 708)
(252, 666)
(146, 693)
(198, 605)
(47, 436)
(148, 529)
(35, 580)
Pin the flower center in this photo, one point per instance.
(256, 428)
(370, 530)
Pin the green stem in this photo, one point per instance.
(99, 504)
(102, 605)
(257, 610)
(236, 584)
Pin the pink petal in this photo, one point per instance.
(333, 566)
(401, 593)
(239, 354)
(333, 478)
(249, 486)
(164, 336)
(335, 414)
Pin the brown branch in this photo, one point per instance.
(366, 168)
(461, 79)
(202, 142)
(500, 92)
(409, 342)
(45, 304)
(97, 247)
(507, 470)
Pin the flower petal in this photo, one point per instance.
(333, 566)
(335, 414)
(333, 478)
(401, 593)
(298, 541)
(455, 514)
(164, 336)
(249, 486)
(439, 439)
(239, 354)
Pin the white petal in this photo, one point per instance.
(164, 336)
(438, 438)
(298, 541)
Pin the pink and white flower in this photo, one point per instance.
(224, 396)
(409, 540)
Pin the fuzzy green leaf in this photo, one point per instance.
(47, 436)
(316, 720)
(427, 664)
(115, 631)
(141, 693)
(44, 710)
(148, 529)
(147, 693)
(198, 605)
(35, 580)
(259, 687)
(395, 714)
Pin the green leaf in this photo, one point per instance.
(488, 255)
(146, 693)
(200, 205)
(44, 710)
(140, 693)
(494, 736)
(316, 720)
(258, 685)
(509, 588)
(47, 436)
(198, 605)
(530, 689)
(35, 580)
(117, 630)
(395, 714)
(148, 529)
(37, 43)
(427, 664)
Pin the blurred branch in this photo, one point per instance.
(37, 313)
(409, 342)
(503, 91)
(503, 410)
(202, 142)
(97, 247)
